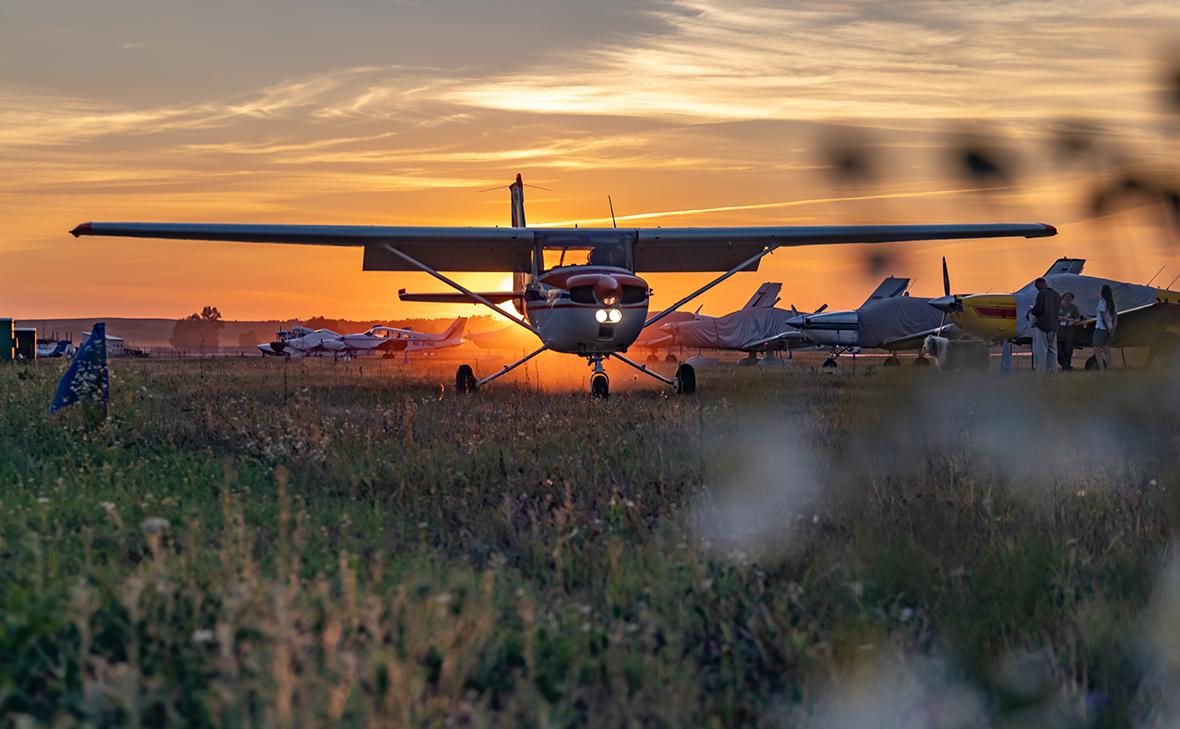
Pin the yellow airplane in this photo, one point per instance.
(1147, 316)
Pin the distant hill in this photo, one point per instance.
(149, 333)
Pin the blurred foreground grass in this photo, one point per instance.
(252, 544)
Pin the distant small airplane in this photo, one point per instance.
(388, 340)
(577, 287)
(756, 327)
(1147, 316)
(303, 342)
(890, 319)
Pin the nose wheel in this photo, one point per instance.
(599, 382)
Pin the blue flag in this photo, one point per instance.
(87, 377)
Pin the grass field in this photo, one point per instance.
(248, 543)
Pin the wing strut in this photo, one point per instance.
(643, 369)
(475, 298)
(509, 367)
(756, 257)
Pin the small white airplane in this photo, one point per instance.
(303, 342)
(274, 349)
(577, 288)
(388, 340)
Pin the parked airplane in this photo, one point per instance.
(390, 339)
(304, 342)
(274, 349)
(756, 327)
(889, 319)
(577, 287)
(1147, 316)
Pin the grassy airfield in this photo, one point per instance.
(248, 543)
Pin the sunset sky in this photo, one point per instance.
(701, 112)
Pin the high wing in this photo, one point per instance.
(1142, 326)
(511, 249)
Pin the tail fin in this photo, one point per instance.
(455, 330)
(889, 288)
(1066, 265)
(516, 193)
(765, 297)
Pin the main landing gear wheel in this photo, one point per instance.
(1091, 363)
(671, 358)
(922, 362)
(891, 361)
(652, 359)
(465, 379)
(599, 386)
(830, 362)
(685, 382)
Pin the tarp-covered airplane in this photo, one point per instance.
(1147, 316)
(756, 327)
(890, 319)
(577, 288)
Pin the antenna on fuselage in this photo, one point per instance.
(611, 203)
(1156, 274)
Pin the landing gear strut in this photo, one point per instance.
(599, 382)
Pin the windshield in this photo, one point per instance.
(606, 253)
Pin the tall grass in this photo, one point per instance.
(248, 543)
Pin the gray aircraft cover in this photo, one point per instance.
(1086, 290)
(738, 330)
(896, 318)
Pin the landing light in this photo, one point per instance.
(614, 316)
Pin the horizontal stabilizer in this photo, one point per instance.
(496, 297)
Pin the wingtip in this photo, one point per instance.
(80, 230)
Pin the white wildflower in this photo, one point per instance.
(153, 525)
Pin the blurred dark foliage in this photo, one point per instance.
(879, 261)
(849, 158)
(1172, 86)
(979, 157)
(1128, 189)
(1075, 140)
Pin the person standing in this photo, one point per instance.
(1067, 318)
(1106, 320)
(1044, 331)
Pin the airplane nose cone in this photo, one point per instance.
(799, 322)
(278, 346)
(607, 290)
(947, 304)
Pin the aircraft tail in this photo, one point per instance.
(1066, 265)
(765, 297)
(455, 331)
(516, 194)
(891, 287)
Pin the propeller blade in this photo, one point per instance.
(946, 279)
(820, 309)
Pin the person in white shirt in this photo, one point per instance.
(1106, 320)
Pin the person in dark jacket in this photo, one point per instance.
(1067, 320)
(1044, 330)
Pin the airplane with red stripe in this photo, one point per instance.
(577, 289)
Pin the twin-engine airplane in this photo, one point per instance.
(576, 287)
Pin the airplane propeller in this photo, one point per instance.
(948, 303)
